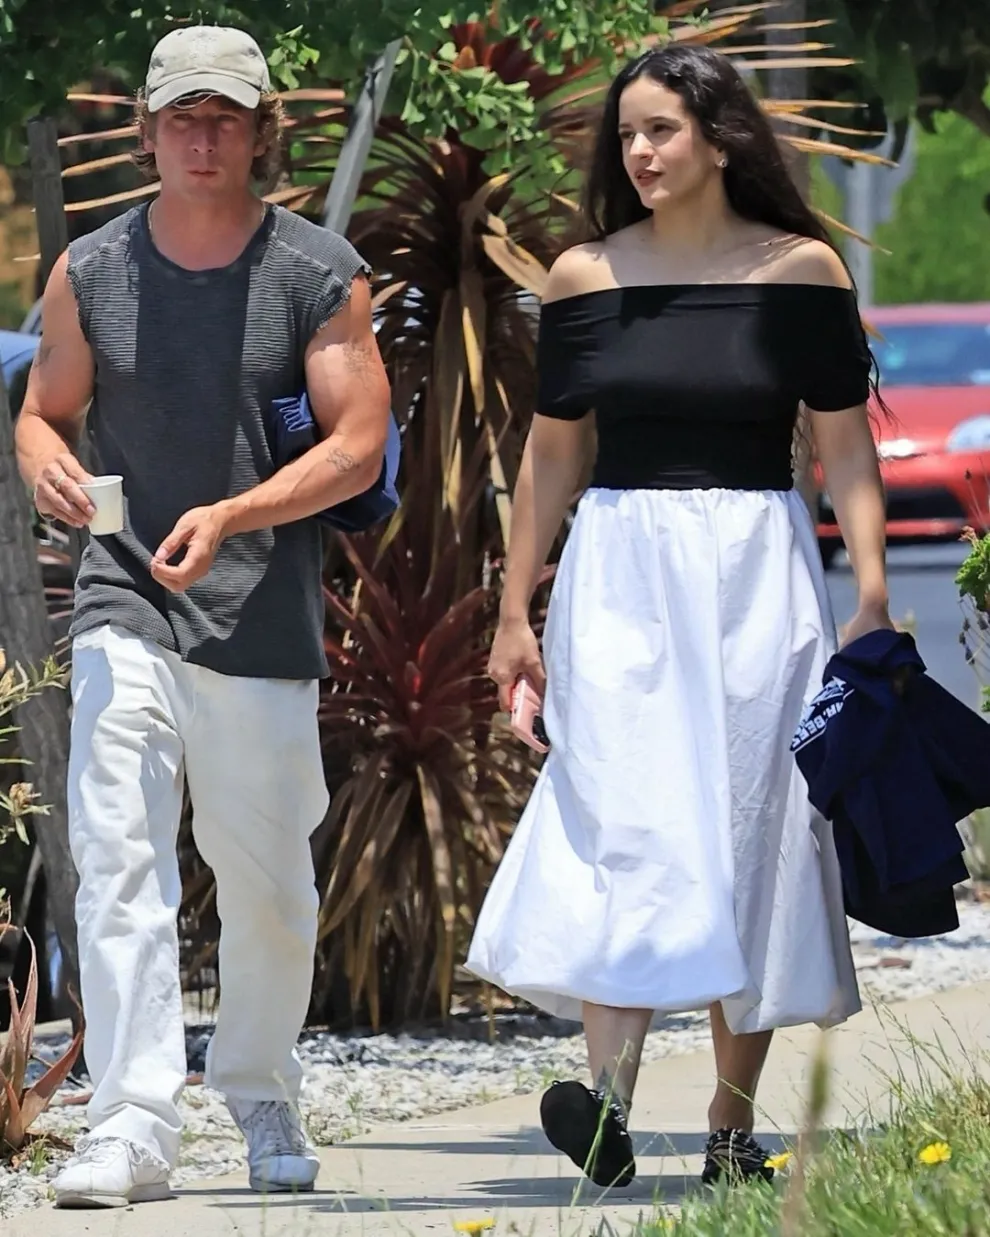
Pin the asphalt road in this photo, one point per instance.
(921, 588)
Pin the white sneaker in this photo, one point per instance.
(110, 1172)
(280, 1156)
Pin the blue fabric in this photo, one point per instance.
(894, 761)
(294, 431)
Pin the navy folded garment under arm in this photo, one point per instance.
(294, 431)
(895, 762)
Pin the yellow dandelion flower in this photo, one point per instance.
(779, 1161)
(935, 1153)
(473, 1226)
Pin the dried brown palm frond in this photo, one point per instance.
(429, 791)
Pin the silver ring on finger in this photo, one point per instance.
(58, 483)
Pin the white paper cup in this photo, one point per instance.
(107, 496)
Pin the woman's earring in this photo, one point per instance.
(723, 162)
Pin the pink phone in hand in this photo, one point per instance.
(525, 719)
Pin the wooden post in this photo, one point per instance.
(53, 237)
(49, 201)
(343, 190)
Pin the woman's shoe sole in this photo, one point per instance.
(571, 1119)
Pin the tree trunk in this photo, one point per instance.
(43, 740)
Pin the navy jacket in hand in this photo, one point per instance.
(293, 430)
(895, 762)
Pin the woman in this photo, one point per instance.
(668, 858)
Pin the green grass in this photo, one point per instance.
(871, 1184)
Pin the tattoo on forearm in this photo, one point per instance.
(42, 355)
(341, 460)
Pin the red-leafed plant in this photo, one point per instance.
(426, 790)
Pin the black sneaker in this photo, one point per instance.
(572, 1116)
(737, 1155)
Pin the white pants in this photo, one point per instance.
(249, 750)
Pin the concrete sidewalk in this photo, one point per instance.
(493, 1162)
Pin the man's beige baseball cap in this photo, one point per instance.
(216, 60)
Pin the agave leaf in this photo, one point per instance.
(443, 876)
(20, 1036)
(503, 499)
(383, 602)
(811, 24)
(473, 331)
(384, 827)
(773, 105)
(811, 122)
(439, 849)
(790, 48)
(94, 165)
(363, 966)
(844, 227)
(12, 1131)
(367, 792)
(129, 195)
(39, 1096)
(750, 10)
(392, 529)
(79, 96)
(103, 135)
(313, 94)
(386, 293)
(10, 1048)
(810, 146)
(800, 62)
(296, 196)
(521, 267)
(447, 389)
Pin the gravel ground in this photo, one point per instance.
(354, 1082)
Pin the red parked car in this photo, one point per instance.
(935, 456)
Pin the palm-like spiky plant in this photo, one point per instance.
(428, 796)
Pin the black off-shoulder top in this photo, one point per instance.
(699, 385)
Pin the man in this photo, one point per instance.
(197, 634)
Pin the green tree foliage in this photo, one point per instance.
(915, 57)
(47, 46)
(939, 237)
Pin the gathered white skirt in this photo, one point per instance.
(668, 856)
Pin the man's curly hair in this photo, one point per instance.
(271, 124)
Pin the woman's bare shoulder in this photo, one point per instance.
(803, 259)
(582, 268)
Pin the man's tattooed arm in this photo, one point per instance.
(341, 460)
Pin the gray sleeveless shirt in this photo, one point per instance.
(187, 365)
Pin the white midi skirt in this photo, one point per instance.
(668, 857)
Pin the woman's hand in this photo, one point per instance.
(869, 617)
(515, 652)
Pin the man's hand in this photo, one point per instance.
(201, 532)
(57, 494)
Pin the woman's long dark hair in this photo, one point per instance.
(758, 184)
